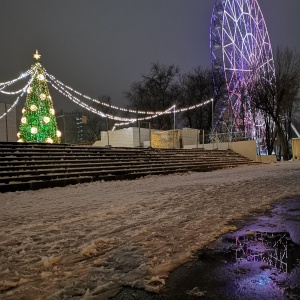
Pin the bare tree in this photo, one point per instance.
(197, 86)
(276, 98)
(157, 91)
(92, 127)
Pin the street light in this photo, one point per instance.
(212, 114)
(174, 106)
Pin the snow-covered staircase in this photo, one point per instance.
(25, 166)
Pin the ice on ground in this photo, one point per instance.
(88, 240)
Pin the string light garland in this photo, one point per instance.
(62, 85)
(61, 88)
(74, 99)
(93, 110)
(168, 111)
(143, 119)
(8, 83)
(3, 85)
(65, 87)
(40, 75)
(13, 93)
(33, 70)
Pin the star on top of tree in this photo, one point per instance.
(36, 55)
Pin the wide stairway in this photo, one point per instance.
(29, 166)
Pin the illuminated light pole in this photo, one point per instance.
(212, 114)
(174, 125)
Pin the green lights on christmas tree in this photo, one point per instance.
(38, 122)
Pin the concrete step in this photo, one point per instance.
(33, 166)
(48, 169)
(61, 180)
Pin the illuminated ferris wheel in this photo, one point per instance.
(240, 45)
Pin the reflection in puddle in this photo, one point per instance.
(260, 261)
(275, 249)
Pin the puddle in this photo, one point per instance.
(276, 249)
(259, 261)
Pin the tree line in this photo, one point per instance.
(165, 86)
(277, 99)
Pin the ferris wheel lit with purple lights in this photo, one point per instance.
(240, 46)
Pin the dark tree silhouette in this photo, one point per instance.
(277, 98)
(157, 91)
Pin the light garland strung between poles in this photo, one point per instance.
(21, 91)
(64, 87)
(66, 91)
(127, 121)
(168, 111)
(93, 110)
(8, 83)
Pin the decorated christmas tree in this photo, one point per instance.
(38, 122)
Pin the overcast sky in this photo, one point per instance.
(100, 47)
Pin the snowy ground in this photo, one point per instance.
(86, 241)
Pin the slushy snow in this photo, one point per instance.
(87, 241)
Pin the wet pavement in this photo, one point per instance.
(261, 260)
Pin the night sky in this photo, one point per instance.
(100, 47)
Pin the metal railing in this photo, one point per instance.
(215, 137)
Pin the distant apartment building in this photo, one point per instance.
(8, 124)
(75, 126)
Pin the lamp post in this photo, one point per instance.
(107, 99)
(212, 114)
(174, 125)
(5, 108)
(107, 131)
(64, 124)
